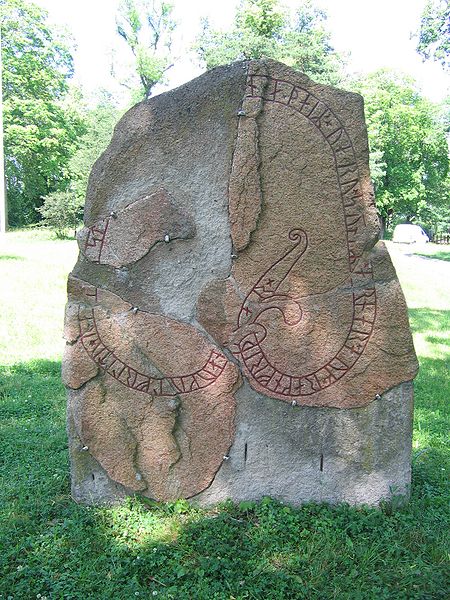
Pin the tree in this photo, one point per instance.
(263, 29)
(147, 28)
(434, 34)
(100, 122)
(409, 152)
(40, 131)
(436, 217)
(63, 210)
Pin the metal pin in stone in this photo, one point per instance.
(294, 403)
(234, 256)
(135, 309)
(113, 214)
(377, 396)
(167, 238)
(85, 448)
(226, 457)
(241, 113)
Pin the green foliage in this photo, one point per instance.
(36, 60)
(435, 218)
(435, 251)
(264, 18)
(62, 211)
(147, 28)
(55, 548)
(434, 34)
(41, 129)
(409, 152)
(263, 29)
(99, 122)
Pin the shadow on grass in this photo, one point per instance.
(431, 394)
(437, 322)
(432, 385)
(55, 548)
(10, 257)
(440, 255)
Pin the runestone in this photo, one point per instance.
(234, 326)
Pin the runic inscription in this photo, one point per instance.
(95, 240)
(129, 233)
(248, 340)
(234, 327)
(327, 123)
(110, 363)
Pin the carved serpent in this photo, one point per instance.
(247, 343)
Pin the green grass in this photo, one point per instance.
(439, 251)
(439, 254)
(430, 250)
(52, 548)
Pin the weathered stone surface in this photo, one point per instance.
(218, 305)
(358, 456)
(232, 300)
(151, 398)
(244, 192)
(76, 370)
(314, 295)
(90, 482)
(127, 235)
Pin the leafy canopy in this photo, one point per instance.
(434, 34)
(147, 27)
(63, 210)
(41, 129)
(100, 122)
(262, 28)
(409, 152)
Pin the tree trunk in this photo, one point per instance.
(383, 223)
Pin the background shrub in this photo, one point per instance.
(62, 211)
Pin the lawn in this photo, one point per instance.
(438, 251)
(52, 548)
